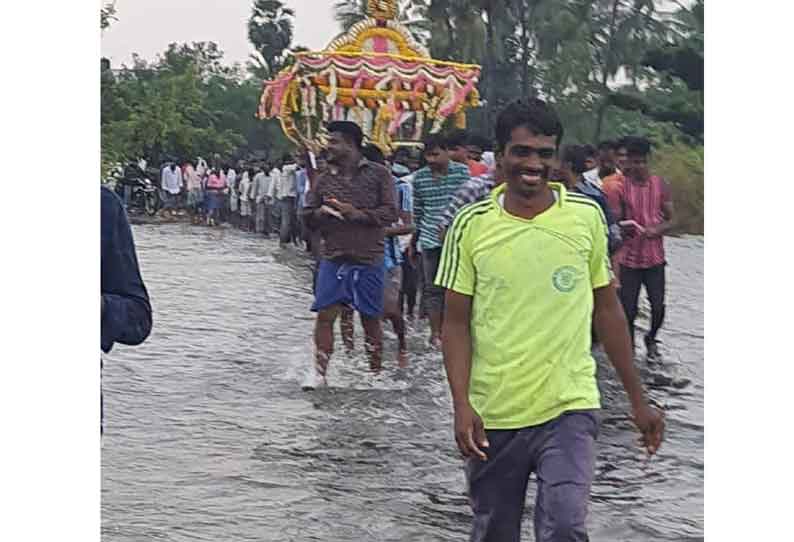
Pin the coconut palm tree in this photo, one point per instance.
(622, 31)
(270, 31)
(411, 13)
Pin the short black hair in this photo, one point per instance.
(536, 114)
(477, 140)
(401, 152)
(457, 138)
(589, 150)
(434, 141)
(637, 146)
(350, 130)
(373, 154)
(607, 145)
(576, 156)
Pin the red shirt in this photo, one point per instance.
(477, 169)
(643, 203)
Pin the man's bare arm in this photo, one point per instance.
(456, 337)
(613, 331)
(659, 230)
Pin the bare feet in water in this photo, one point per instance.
(435, 343)
(402, 359)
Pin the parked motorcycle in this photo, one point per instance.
(143, 194)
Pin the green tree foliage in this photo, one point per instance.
(185, 104)
(610, 67)
(598, 60)
(682, 166)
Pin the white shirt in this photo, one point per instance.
(592, 176)
(285, 187)
(201, 167)
(275, 180)
(172, 180)
(261, 186)
(245, 186)
(231, 177)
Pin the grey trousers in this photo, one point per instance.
(263, 218)
(561, 453)
(287, 206)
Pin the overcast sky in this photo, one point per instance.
(147, 27)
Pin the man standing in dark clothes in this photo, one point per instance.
(647, 215)
(126, 312)
(351, 204)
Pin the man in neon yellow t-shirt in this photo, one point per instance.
(527, 271)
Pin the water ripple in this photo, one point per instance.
(209, 437)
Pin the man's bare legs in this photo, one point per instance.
(346, 325)
(392, 312)
(373, 333)
(436, 321)
(324, 337)
(398, 323)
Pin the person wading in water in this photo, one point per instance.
(527, 271)
(351, 204)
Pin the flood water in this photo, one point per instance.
(208, 435)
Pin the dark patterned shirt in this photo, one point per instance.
(473, 190)
(358, 238)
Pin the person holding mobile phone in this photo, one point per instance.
(351, 204)
(647, 215)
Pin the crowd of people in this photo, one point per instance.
(260, 197)
(525, 256)
(452, 170)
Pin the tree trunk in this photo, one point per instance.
(602, 108)
(526, 38)
(452, 48)
(490, 67)
(524, 49)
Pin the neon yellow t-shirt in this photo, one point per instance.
(532, 285)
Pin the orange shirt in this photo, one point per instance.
(477, 169)
(612, 187)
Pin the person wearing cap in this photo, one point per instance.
(351, 204)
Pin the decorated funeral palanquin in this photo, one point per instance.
(376, 75)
